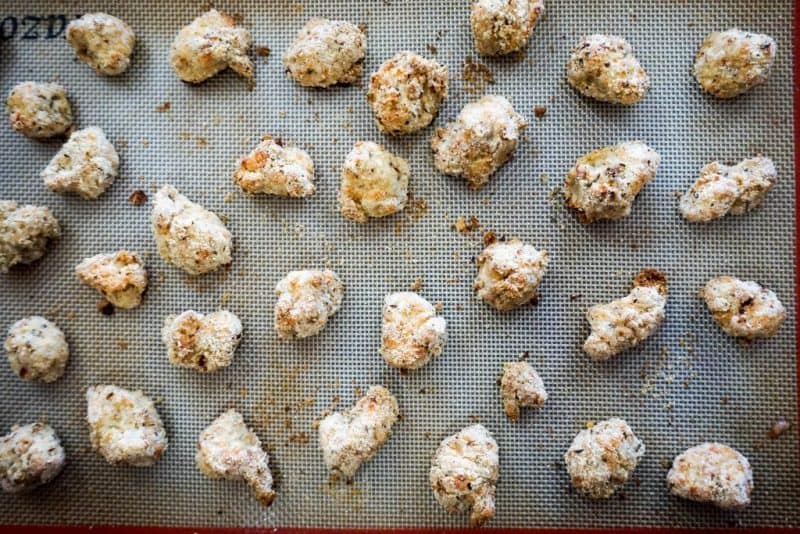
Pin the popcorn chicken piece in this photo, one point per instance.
(86, 165)
(412, 333)
(306, 300)
(521, 386)
(37, 349)
(30, 455)
(39, 110)
(350, 438)
(603, 67)
(205, 343)
(509, 273)
(504, 26)
(374, 183)
(124, 426)
(604, 183)
(626, 322)
(464, 472)
(721, 190)
(481, 140)
(732, 62)
(405, 93)
(274, 169)
(188, 235)
(602, 458)
(209, 45)
(103, 42)
(25, 232)
(712, 473)
(743, 308)
(120, 277)
(228, 449)
(326, 52)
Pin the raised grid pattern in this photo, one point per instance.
(273, 236)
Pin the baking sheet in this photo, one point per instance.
(687, 384)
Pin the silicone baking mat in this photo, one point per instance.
(687, 384)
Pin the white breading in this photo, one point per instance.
(603, 67)
(743, 308)
(25, 232)
(274, 169)
(326, 52)
(102, 41)
(188, 235)
(521, 386)
(124, 426)
(405, 93)
(412, 333)
(86, 165)
(481, 140)
(30, 455)
(721, 189)
(732, 62)
(464, 472)
(39, 110)
(36, 349)
(604, 183)
(120, 277)
(306, 300)
(503, 26)
(712, 473)
(205, 343)
(209, 45)
(509, 273)
(602, 458)
(624, 323)
(350, 438)
(228, 449)
(374, 183)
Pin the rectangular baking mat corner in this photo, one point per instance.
(689, 383)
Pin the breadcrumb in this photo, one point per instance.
(274, 169)
(604, 183)
(481, 140)
(732, 62)
(509, 273)
(326, 52)
(521, 386)
(712, 473)
(503, 26)
(86, 165)
(124, 426)
(603, 67)
(25, 232)
(306, 300)
(350, 438)
(228, 449)
(188, 235)
(37, 349)
(103, 42)
(405, 93)
(743, 308)
(626, 322)
(464, 473)
(30, 455)
(374, 183)
(209, 45)
(412, 333)
(602, 458)
(721, 190)
(120, 277)
(205, 343)
(39, 110)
